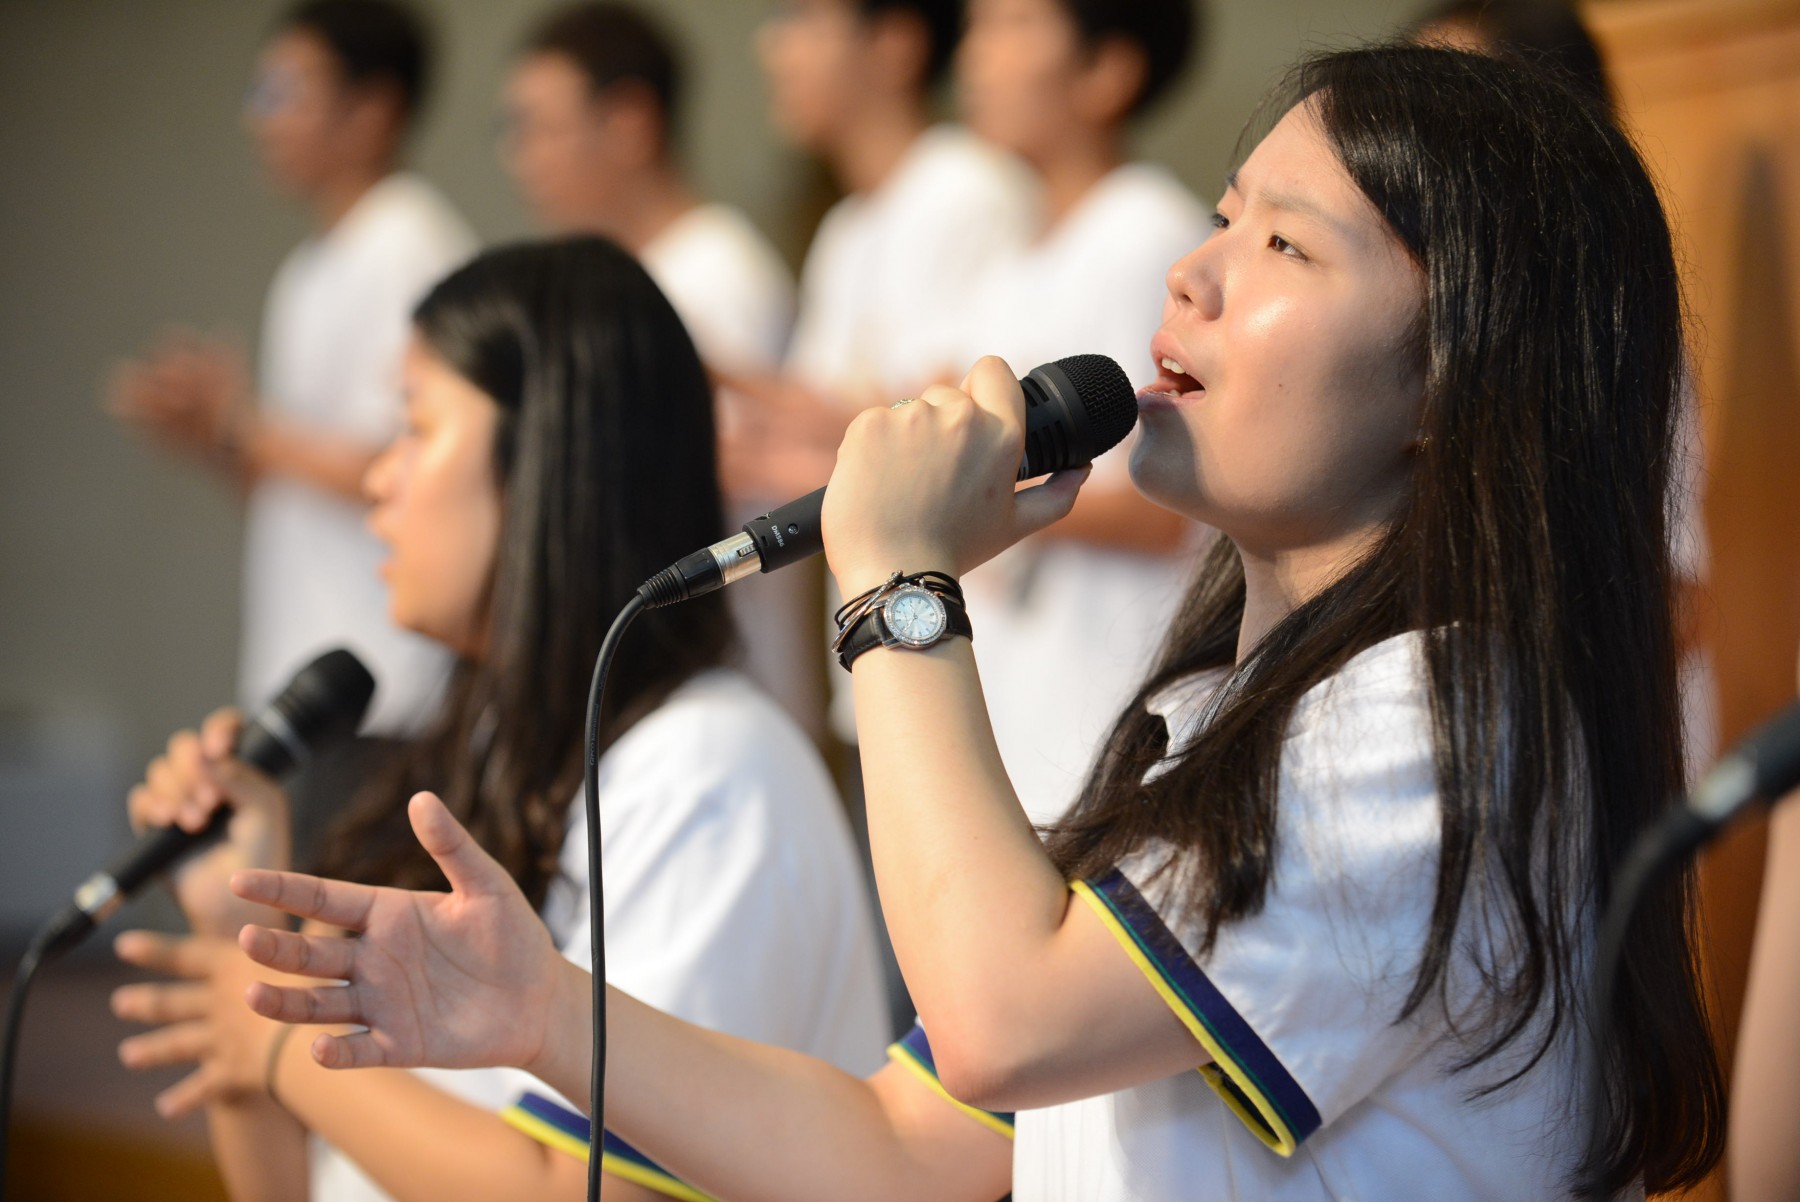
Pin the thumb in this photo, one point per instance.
(469, 869)
(1043, 504)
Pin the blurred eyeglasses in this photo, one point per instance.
(271, 91)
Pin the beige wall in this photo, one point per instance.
(129, 202)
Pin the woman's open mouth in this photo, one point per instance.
(1173, 382)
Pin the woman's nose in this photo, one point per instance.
(1194, 280)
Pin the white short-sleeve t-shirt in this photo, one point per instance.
(888, 278)
(734, 900)
(334, 327)
(728, 285)
(1316, 1091)
(1053, 617)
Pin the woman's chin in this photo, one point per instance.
(1162, 469)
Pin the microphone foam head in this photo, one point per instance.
(1107, 396)
(326, 700)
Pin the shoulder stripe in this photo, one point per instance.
(913, 1052)
(1245, 1073)
(567, 1131)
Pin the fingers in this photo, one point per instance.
(993, 385)
(1043, 504)
(469, 869)
(143, 808)
(324, 956)
(219, 733)
(307, 1005)
(172, 955)
(159, 1005)
(179, 788)
(125, 392)
(186, 1095)
(338, 903)
(182, 1043)
(361, 1050)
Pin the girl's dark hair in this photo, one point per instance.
(1546, 33)
(1166, 32)
(612, 43)
(604, 457)
(374, 41)
(942, 21)
(1531, 556)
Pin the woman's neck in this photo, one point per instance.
(873, 145)
(332, 201)
(1279, 582)
(1072, 168)
(657, 202)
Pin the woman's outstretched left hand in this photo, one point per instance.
(929, 486)
(465, 979)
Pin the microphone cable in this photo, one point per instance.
(590, 804)
(39, 953)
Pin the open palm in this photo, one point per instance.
(454, 980)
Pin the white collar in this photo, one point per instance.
(1187, 705)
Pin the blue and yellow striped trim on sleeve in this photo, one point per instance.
(567, 1131)
(913, 1052)
(1244, 1072)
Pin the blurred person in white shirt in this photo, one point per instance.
(927, 209)
(337, 92)
(1074, 613)
(593, 114)
(593, 107)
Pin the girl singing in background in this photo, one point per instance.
(558, 450)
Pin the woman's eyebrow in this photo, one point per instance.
(1289, 202)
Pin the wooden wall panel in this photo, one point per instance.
(1711, 88)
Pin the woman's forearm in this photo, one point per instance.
(1764, 1162)
(971, 901)
(259, 1149)
(1027, 996)
(326, 461)
(417, 1142)
(752, 1122)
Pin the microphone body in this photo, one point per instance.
(322, 705)
(1075, 409)
(1765, 765)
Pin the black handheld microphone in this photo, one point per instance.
(323, 704)
(1761, 768)
(1075, 409)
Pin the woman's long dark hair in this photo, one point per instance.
(604, 456)
(1530, 554)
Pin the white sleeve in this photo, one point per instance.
(704, 919)
(1298, 1003)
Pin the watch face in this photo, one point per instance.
(915, 616)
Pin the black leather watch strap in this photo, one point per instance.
(871, 630)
